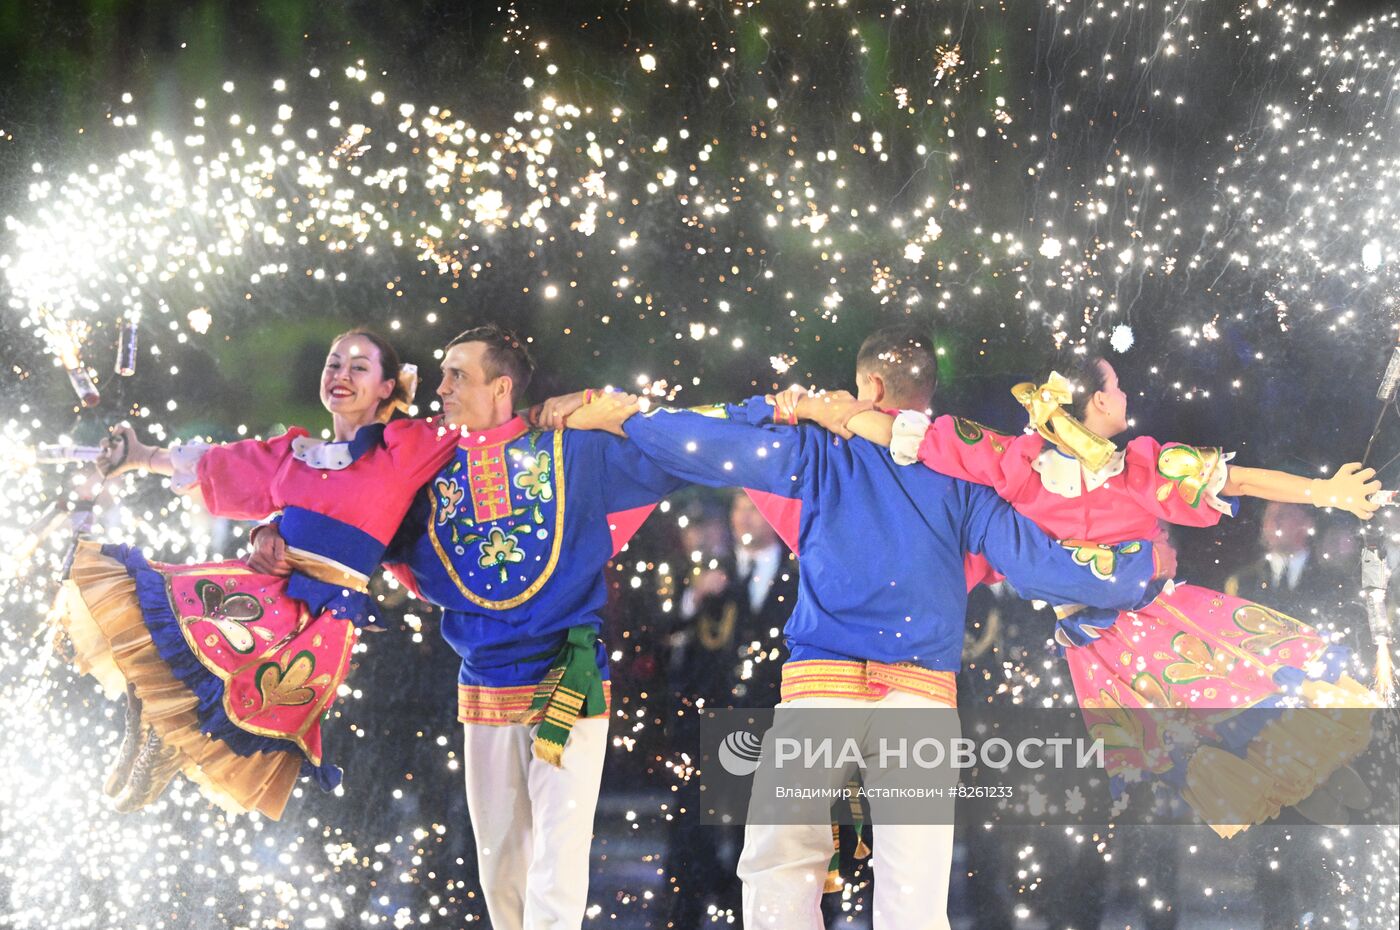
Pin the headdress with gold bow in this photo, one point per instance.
(1071, 437)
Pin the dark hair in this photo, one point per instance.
(389, 364)
(1086, 375)
(904, 356)
(505, 355)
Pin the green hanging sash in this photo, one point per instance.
(862, 851)
(572, 688)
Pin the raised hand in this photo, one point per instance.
(122, 452)
(606, 411)
(785, 403)
(1349, 489)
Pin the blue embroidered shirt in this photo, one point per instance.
(511, 539)
(881, 546)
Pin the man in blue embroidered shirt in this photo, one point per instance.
(878, 621)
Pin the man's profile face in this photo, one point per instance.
(468, 395)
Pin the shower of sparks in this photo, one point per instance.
(1046, 191)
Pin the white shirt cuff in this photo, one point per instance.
(907, 436)
(1216, 483)
(184, 460)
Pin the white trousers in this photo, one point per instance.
(533, 822)
(783, 866)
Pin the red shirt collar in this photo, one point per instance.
(512, 428)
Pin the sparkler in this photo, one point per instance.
(126, 347)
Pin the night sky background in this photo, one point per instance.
(735, 193)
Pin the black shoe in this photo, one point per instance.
(63, 648)
(155, 766)
(1322, 807)
(1346, 785)
(130, 747)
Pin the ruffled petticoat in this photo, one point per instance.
(1268, 712)
(233, 675)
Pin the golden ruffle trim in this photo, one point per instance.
(99, 611)
(503, 706)
(865, 681)
(1290, 758)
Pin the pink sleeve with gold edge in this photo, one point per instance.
(1178, 483)
(236, 479)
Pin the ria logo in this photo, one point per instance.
(739, 753)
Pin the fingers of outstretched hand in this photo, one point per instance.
(1352, 473)
(116, 450)
(1355, 487)
(1350, 489)
(787, 401)
(1363, 509)
(785, 405)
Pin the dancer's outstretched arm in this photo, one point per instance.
(949, 445)
(715, 451)
(230, 479)
(123, 452)
(838, 412)
(1350, 489)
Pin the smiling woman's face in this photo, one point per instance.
(353, 383)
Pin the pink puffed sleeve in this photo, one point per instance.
(419, 448)
(238, 479)
(963, 449)
(1178, 483)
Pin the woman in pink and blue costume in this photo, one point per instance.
(1191, 647)
(229, 672)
